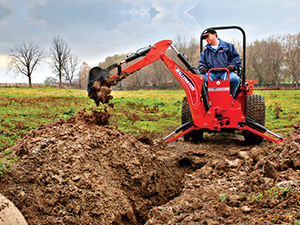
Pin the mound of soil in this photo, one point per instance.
(81, 171)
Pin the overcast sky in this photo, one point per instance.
(95, 29)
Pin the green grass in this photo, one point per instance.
(274, 192)
(23, 109)
(7, 158)
(147, 111)
(282, 109)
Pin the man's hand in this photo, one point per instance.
(203, 70)
(230, 68)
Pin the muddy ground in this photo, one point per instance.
(81, 171)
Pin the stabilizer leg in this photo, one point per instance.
(188, 123)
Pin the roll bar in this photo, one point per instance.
(243, 75)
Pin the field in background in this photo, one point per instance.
(282, 109)
(143, 111)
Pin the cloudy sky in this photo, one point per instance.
(95, 29)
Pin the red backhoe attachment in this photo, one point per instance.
(207, 107)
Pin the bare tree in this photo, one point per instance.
(190, 48)
(24, 58)
(292, 57)
(159, 74)
(60, 53)
(83, 75)
(273, 59)
(71, 68)
(265, 60)
(255, 69)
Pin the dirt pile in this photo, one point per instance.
(77, 172)
(284, 155)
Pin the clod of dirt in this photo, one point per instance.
(270, 170)
(100, 94)
(101, 89)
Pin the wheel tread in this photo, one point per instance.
(255, 109)
(195, 135)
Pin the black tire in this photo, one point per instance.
(195, 135)
(255, 110)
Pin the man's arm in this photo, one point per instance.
(202, 63)
(234, 58)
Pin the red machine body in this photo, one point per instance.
(213, 109)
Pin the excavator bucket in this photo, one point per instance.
(97, 74)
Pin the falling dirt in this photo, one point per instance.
(101, 89)
(82, 171)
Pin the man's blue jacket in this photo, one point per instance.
(221, 57)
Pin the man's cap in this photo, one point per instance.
(207, 32)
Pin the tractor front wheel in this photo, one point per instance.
(255, 110)
(194, 135)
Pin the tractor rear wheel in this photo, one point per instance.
(255, 110)
(195, 135)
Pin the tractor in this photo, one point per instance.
(208, 106)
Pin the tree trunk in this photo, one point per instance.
(29, 81)
(159, 85)
(59, 78)
(260, 80)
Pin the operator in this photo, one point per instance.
(219, 54)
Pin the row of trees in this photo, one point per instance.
(273, 61)
(25, 57)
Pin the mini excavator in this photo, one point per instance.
(208, 106)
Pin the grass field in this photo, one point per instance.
(143, 111)
(282, 109)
